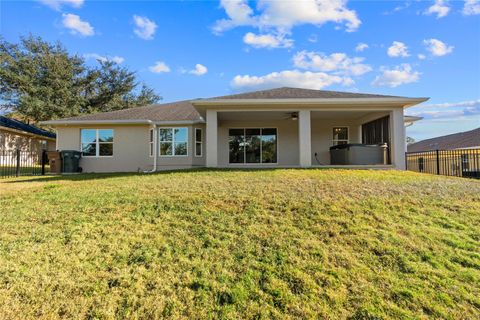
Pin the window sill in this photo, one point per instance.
(186, 156)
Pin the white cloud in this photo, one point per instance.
(159, 67)
(395, 77)
(471, 7)
(284, 15)
(76, 25)
(437, 47)
(447, 110)
(291, 78)
(239, 14)
(469, 103)
(144, 27)
(339, 63)
(398, 49)
(421, 56)
(401, 7)
(199, 70)
(267, 40)
(96, 56)
(361, 47)
(57, 4)
(440, 8)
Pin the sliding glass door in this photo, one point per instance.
(252, 145)
(236, 141)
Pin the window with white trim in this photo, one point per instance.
(198, 142)
(173, 142)
(151, 142)
(97, 142)
(340, 135)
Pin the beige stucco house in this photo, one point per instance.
(283, 127)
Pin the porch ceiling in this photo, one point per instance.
(255, 115)
(285, 115)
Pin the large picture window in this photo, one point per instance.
(253, 145)
(97, 142)
(173, 141)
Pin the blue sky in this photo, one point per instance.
(190, 49)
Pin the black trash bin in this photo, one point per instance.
(71, 161)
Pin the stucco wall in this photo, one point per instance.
(131, 150)
(11, 141)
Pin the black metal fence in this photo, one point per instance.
(459, 162)
(15, 163)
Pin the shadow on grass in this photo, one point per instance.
(97, 176)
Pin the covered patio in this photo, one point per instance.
(295, 136)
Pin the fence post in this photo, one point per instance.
(438, 162)
(406, 160)
(17, 169)
(44, 158)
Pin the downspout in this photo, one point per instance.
(155, 148)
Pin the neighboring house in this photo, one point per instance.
(284, 127)
(455, 154)
(17, 135)
(462, 140)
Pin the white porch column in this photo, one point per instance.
(211, 139)
(305, 138)
(397, 136)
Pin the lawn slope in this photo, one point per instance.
(338, 244)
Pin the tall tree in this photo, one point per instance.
(42, 81)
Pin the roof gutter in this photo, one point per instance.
(173, 122)
(70, 122)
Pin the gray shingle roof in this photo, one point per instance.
(175, 111)
(468, 139)
(185, 111)
(297, 93)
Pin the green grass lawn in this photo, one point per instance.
(328, 244)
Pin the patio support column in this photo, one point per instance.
(397, 136)
(305, 138)
(211, 139)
